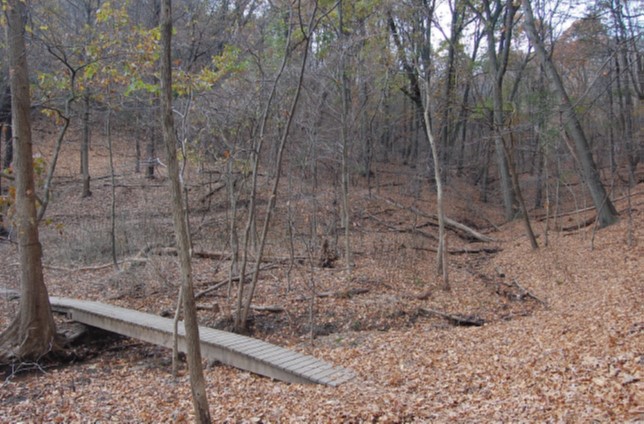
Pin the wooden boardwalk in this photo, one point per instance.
(232, 349)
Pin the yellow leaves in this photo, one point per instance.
(40, 165)
(228, 62)
(108, 14)
(5, 201)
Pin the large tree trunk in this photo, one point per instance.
(33, 333)
(607, 214)
(197, 382)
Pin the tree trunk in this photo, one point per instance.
(441, 254)
(270, 208)
(498, 64)
(110, 152)
(33, 333)
(449, 124)
(197, 382)
(85, 147)
(344, 129)
(5, 122)
(517, 190)
(256, 155)
(607, 214)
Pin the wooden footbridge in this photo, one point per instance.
(232, 349)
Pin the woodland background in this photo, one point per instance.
(329, 152)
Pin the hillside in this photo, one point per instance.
(563, 331)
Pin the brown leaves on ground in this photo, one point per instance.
(574, 355)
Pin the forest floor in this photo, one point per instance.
(563, 333)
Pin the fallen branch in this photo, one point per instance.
(473, 233)
(450, 223)
(212, 192)
(95, 267)
(579, 225)
(462, 251)
(461, 320)
(204, 254)
(524, 292)
(222, 283)
(345, 294)
(267, 308)
(415, 230)
(590, 208)
(212, 308)
(340, 294)
(215, 287)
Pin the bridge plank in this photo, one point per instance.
(243, 352)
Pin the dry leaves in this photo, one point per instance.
(579, 359)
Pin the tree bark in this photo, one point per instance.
(606, 212)
(243, 320)
(344, 130)
(32, 334)
(197, 382)
(498, 64)
(84, 156)
(5, 123)
(441, 254)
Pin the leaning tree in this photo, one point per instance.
(606, 212)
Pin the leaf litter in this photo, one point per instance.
(577, 356)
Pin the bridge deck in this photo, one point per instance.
(232, 349)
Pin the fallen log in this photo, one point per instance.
(224, 282)
(216, 189)
(462, 251)
(340, 294)
(523, 292)
(413, 230)
(267, 308)
(449, 223)
(460, 320)
(542, 216)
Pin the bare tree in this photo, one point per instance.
(197, 382)
(606, 212)
(32, 334)
(441, 254)
(493, 13)
(305, 28)
(344, 136)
